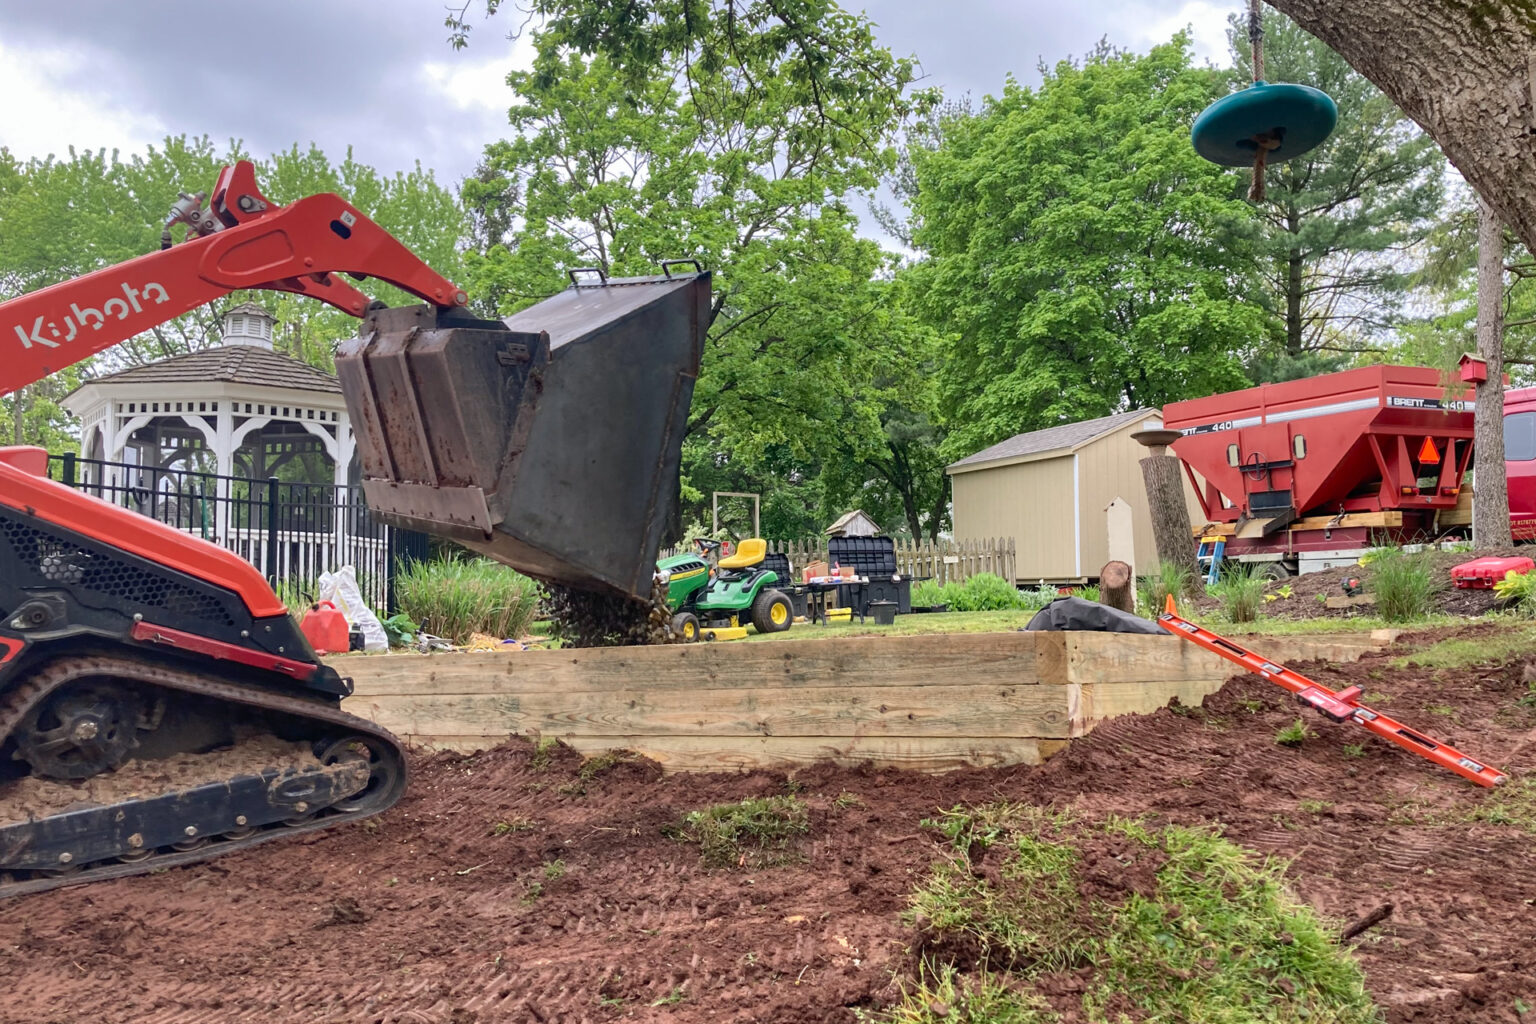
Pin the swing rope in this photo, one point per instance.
(1263, 141)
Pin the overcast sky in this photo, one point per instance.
(378, 74)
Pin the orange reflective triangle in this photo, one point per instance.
(1429, 455)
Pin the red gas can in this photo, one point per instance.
(325, 628)
(1483, 573)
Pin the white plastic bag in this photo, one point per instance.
(340, 588)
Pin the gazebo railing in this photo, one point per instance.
(292, 532)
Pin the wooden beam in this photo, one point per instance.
(894, 661)
(1382, 520)
(930, 703)
(985, 708)
(732, 753)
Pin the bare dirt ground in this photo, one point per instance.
(503, 890)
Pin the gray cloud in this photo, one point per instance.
(353, 72)
(285, 72)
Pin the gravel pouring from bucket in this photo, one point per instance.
(551, 440)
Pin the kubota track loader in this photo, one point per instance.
(157, 703)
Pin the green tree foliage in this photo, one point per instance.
(69, 216)
(716, 157)
(1083, 258)
(1447, 275)
(1338, 221)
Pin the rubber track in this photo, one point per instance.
(66, 670)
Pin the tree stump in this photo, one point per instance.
(1117, 587)
(1170, 515)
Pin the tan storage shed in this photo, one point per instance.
(1048, 490)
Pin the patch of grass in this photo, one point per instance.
(1176, 578)
(1354, 750)
(511, 826)
(757, 831)
(1467, 651)
(1513, 803)
(1314, 806)
(1252, 705)
(1241, 593)
(1178, 922)
(554, 869)
(1405, 585)
(458, 598)
(1443, 710)
(909, 625)
(539, 761)
(1344, 624)
(942, 995)
(846, 800)
(1293, 735)
(593, 767)
(673, 998)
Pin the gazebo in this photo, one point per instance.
(197, 440)
(236, 409)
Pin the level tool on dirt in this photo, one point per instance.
(1340, 706)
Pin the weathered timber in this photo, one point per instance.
(930, 703)
(1385, 519)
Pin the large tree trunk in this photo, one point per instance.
(1170, 515)
(1462, 69)
(1490, 509)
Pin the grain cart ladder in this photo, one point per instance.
(1340, 706)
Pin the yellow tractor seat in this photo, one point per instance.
(748, 553)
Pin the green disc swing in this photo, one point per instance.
(1264, 123)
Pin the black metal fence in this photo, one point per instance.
(292, 532)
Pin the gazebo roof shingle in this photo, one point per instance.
(237, 364)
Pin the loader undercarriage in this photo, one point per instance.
(141, 765)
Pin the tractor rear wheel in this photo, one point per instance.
(772, 612)
(685, 626)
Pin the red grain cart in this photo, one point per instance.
(1310, 473)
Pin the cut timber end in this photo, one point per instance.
(926, 703)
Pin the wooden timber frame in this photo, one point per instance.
(930, 703)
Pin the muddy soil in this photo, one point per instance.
(1299, 596)
(499, 890)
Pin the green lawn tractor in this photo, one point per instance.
(719, 603)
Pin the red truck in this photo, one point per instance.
(1308, 474)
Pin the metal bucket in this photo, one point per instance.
(551, 440)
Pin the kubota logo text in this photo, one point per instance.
(48, 333)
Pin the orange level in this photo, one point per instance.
(1340, 706)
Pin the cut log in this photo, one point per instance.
(1117, 587)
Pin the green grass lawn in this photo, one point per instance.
(909, 625)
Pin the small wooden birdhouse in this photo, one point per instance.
(1473, 368)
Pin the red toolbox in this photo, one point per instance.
(1483, 573)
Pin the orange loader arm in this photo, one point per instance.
(243, 240)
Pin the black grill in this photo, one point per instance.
(40, 557)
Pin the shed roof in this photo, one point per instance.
(1066, 437)
(238, 364)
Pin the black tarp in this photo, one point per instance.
(1075, 613)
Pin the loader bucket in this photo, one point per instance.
(550, 441)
